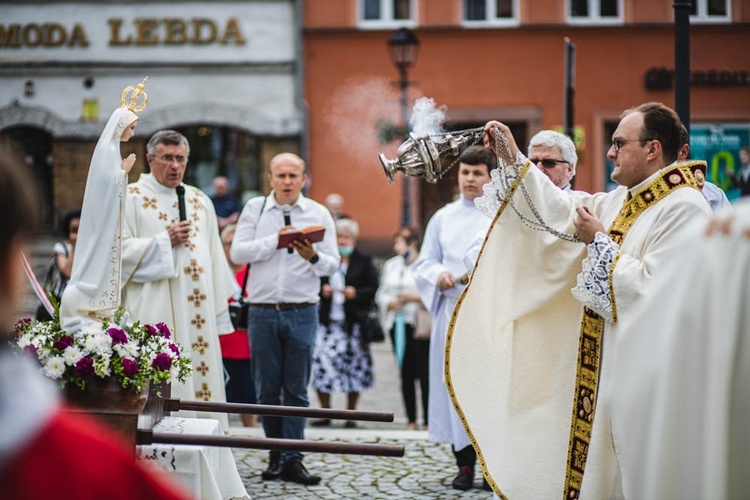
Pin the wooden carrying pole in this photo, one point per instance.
(146, 437)
(176, 404)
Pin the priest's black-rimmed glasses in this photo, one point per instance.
(618, 143)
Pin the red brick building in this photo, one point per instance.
(504, 59)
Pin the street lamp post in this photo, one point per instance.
(403, 47)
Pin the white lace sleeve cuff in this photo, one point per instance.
(594, 287)
(495, 190)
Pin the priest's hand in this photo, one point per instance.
(587, 225)
(179, 232)
(446, 281)
(489, 141)
(128, 163)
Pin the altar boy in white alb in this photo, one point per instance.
(175, 271)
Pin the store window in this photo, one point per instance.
(719, 144)
(490, 12)
(710, 10)
(386, 12)
(594, 11)
(224, 151)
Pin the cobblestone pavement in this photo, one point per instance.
(425, 471)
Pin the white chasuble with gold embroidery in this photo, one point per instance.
(186, 287)
(515, 349)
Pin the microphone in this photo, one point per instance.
(287, 211)
(181, 202)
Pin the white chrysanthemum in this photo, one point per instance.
(98, 343)
(72, 355)
(43, 353)
(90, 329)
(54, 367)
(24, 340)
(126, 350)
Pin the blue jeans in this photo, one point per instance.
(283, 343)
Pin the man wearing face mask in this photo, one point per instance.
(283, 315)
(437, 274)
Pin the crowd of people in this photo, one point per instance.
(488, 330)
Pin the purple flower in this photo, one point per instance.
(31, 350)
(164, 329)
(63, 342)
(162, 361)
(130, 367)
(20, 326)
(174, 349)
(151, 329)
(85, 367)
(118, 335)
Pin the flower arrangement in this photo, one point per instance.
(133, 354)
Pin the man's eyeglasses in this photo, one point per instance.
(618, 143)
(547, 163)
(171, 159)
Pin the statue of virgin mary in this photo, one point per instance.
(94, 288)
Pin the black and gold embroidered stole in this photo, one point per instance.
(683, 174)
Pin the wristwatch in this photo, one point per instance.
(314, 259)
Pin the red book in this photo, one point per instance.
(312, 233)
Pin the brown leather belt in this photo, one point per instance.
(284, 306)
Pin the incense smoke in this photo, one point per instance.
(426, 119)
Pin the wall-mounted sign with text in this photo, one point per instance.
(175, 33)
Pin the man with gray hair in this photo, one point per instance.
(555, 155)
(173, 265)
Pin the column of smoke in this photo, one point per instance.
(426, 118)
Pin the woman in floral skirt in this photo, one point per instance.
(342, 361)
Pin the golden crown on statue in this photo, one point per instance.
(131, 95)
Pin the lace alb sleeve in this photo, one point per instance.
(495, 190)
(594, 287)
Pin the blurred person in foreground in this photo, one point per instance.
(236, 353)
(342, 361)
(44, 451)
(681, 391)
(402, 309)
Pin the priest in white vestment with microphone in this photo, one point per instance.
(175, 270)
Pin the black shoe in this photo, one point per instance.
(350, 424)
(321, 422)
(274, 466)
(296, 473)
(464, 480)
(485, 485)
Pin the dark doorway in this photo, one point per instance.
(34, 146)
(225, 151)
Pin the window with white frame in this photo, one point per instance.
(710, 10)
(386, 12)
(477, 12)
(594, 11)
